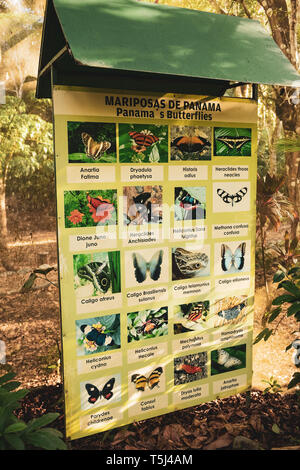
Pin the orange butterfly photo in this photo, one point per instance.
(143, 143)
(190, 143)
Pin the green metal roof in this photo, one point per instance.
(135, 36)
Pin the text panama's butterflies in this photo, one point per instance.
(234, 142)
(141, 266)
(152, 381)
(94, 149)
(232, 198)
(224, 359)
(95, 393)
(233, 260)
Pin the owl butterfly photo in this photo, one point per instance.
(98, 273)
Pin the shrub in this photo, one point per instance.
(15, 433)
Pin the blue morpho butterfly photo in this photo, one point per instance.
(142, 267)
(233, 261)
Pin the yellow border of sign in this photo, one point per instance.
(172, 398)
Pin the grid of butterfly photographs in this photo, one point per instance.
(159, 322)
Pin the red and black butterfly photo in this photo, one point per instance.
(190, 143)
(143, 143)
(99, 392)
(90, 208)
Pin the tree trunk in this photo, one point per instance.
(273, 154)
(3, 217)
(4, 251)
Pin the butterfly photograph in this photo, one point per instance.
(190, 368)
(190, 143)
(99, 334)
(100, 392)
(97, 274)
(148, 380)
(143, 143)
(146, 266)
(91, 142)
(142, 205)
(232, 142)
(147, 324)
(232, 257)
(191, 317)
(90, 208)
(228, 359)
(190, 203)
(231, 310)
(190, 261)
(231, 196)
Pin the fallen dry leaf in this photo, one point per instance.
(223, 441)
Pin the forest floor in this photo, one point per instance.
(30, 328)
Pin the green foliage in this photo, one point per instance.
(26, 152)
(272, 205)
(16, 434)
(273, 386)
(286, 303)
(288, 250)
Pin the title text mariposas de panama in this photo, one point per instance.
(167, 108)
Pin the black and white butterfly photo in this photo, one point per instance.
(228, 359)
(231, 196)
(147, 266)
(232, 257)
(142, 205)
(98, 392)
